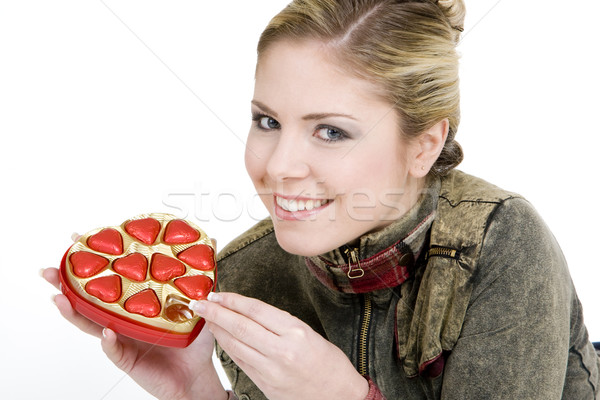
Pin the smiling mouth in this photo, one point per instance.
(296, 205)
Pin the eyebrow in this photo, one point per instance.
(307, 117)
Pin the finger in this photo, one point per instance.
(239, 327)
(214, 243)
(64, 307)
(245, 356)
(272, 318)
(51, 275)
(257, 366)
(114, 349)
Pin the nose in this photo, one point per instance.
(289, 159)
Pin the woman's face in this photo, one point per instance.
(324, 151)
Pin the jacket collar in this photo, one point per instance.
(384, 258)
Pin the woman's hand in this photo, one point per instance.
(282, 355)
(166, 373)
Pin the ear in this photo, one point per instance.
(428, 146)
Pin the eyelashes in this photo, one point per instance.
(330, 134)
(265, 122)
(325, 133)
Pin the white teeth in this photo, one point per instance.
(299, 205)
(292, 205)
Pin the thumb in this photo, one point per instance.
(114, 349)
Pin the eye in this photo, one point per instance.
(330, 134)
(268, 123)
(265, 122)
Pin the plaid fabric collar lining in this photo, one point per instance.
(386, 269)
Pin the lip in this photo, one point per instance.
(297, 215)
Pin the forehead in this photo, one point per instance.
(292, 70)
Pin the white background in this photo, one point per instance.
(117, 108)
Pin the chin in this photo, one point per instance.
(298, 245)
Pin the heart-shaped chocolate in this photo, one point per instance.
(106, 288)
(145, 303)
(164, 268)
(107, 241)
(145, 230)
(200, 257)
(86, 264)
(180, 232)
(196, 287)
(134, 266)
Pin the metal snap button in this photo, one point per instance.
(407, 260)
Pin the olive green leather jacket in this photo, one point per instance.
(498, 318)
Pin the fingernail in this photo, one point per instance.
(41, 272)
(75, 236)
(104, 334)
(192, 304)
(53, 298)
(214, 297)
(198, 307)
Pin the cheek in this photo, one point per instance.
(374, 175)
(255, 160)
(250, 161)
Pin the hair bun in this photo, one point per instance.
(450, 157)
(455, 11)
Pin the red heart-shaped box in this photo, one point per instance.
(137, 278)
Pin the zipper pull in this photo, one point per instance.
(357, 272)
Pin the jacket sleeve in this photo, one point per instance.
(374, 393)
(523, 336)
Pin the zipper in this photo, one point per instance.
(363, 337)
(443, 252)
(354, 271)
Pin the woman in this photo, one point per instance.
(382, 273)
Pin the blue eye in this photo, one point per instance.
(330, 134)
(265, 122)
(269, 123)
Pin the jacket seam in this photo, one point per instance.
(577, 351)
(491, 217)
(498, 201)
(484, 236)
(584, 365)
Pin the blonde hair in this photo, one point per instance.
(407, 48)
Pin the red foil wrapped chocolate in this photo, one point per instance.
(137, 278)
